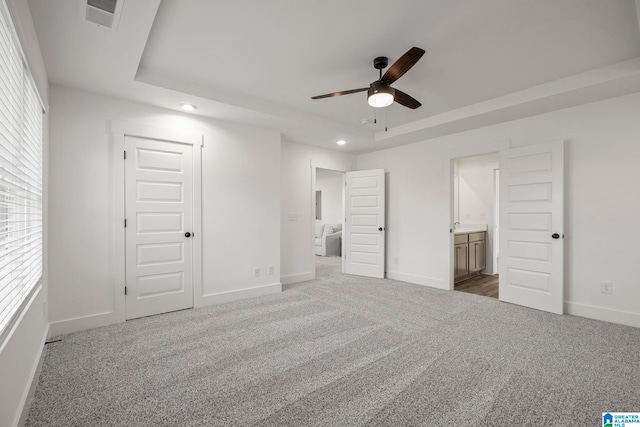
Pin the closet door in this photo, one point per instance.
(159, 232)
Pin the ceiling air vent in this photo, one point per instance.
(105, 13)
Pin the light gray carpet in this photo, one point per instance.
(343, 351)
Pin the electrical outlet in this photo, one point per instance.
(293, 216)
(483, 215)
(606, 287)
(256, 271)
(271, 270)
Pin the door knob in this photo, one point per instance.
(379, 228)
(187, 234)
(555, 235)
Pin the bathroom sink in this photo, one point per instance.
(468, 230)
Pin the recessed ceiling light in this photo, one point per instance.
(341, 141)
(188, 107)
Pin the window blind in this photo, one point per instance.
(20, 177)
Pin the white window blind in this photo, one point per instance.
(20, 177)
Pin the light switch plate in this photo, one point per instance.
(606, 287)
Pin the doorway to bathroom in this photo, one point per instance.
(475, 227)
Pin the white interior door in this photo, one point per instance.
(159, 215)
(364, 228)
(531, 232)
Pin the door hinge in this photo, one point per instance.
(125, 223)
(125, 290)
(125, 155)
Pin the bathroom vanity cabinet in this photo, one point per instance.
(470, 254)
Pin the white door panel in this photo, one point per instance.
(159, 210)
(531, 217)
(364, 233)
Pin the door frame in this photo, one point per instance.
(118, 130)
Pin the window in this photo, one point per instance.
(20, 177)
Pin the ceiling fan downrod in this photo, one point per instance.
(380, 63)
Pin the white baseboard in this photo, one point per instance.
(296, 278)
(222, 297)
(605, 314)
(417, 280)
(83, 323)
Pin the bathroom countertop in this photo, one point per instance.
(468, 230)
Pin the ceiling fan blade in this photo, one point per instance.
(344, 92)
(402, 65)
(406, 100)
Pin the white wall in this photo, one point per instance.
(22, 349)
(602, 204)
(240, 205)
(298, 197)
(331, 185)
(476, 197)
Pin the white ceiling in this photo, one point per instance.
(259, 63)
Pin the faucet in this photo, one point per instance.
(454, 224)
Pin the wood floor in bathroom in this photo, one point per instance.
(483, 284)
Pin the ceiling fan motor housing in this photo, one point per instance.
(378, 86)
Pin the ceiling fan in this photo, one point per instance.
(380, 93)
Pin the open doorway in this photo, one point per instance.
(329, 219)
(475, 224)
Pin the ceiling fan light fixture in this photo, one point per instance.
(380, 95)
